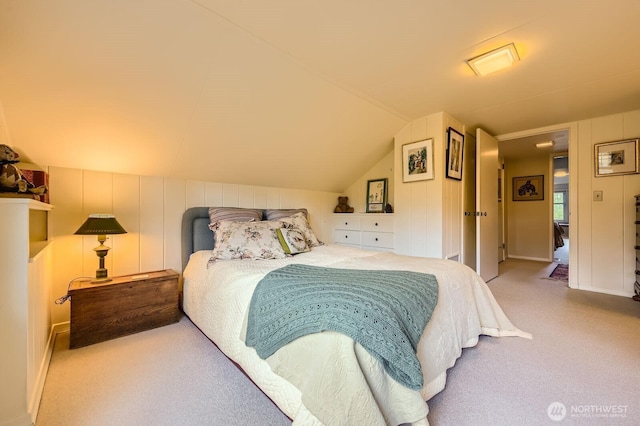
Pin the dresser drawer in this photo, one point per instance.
(377, 223)
(346, 221)
(377, 240)
(341, 236)
(371, 231)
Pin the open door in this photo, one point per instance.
(487, 205)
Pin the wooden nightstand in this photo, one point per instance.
(125, 305)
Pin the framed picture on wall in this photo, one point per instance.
(455, 147)
(376, 195)
(528, 188)
(417, 161)
(616, 158)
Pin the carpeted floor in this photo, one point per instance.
(584, 355)
(560, 272)
(168, 376)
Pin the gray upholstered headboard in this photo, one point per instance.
(196, 234)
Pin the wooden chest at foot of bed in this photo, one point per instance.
(125, 305)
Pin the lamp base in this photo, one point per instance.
(101, 273)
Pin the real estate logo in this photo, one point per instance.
(556, 411)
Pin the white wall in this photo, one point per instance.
(428, 213)
(605, 229)
(357, 192)
(150, 209)
(601, 233)
(4, 132)
(528, 223)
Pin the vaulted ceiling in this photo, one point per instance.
(295, 93)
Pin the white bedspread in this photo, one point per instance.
(326, 375)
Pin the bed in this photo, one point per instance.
(328, 378)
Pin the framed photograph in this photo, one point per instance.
(417, 161)
(616, 158)
(376, 195)
(528, 188)
(455, 147)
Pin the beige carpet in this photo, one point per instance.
(171, 376)
(584, 355)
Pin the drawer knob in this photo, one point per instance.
(376, 238)
(346, 236)
(376, 223)
(346, 223)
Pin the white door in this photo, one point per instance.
(486, 205)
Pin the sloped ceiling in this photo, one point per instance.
(299, 94)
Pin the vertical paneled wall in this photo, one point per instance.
(428, 213)
(453, 211)
(150, 209)
(4, 134)
(606, 229)
(39, 311)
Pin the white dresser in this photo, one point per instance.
(371, 231)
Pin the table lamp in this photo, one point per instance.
(101, 225)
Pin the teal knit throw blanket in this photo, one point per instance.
(385, 311)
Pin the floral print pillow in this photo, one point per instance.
(299, 221)
(246, 240)
(292, 241)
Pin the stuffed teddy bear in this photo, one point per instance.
(343, 206)
(11, 177)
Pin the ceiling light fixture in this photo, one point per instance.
(495, 60)
(545, 144)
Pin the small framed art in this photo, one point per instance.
(528, 188)
(616, 158)
(417, 161)
(455, 148)
(376, 195)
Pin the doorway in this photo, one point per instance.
(520, 148)
(561, 208)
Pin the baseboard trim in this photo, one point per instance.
(34, 402)
(19, 421)
(537, 259)
(605, 291)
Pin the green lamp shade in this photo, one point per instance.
(101, 224)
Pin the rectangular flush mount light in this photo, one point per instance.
(545, 144)
(495, 60)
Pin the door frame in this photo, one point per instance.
(502, 256)
(574, 245)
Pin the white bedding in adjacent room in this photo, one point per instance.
(327, 375)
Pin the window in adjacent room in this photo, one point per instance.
(560, 206)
